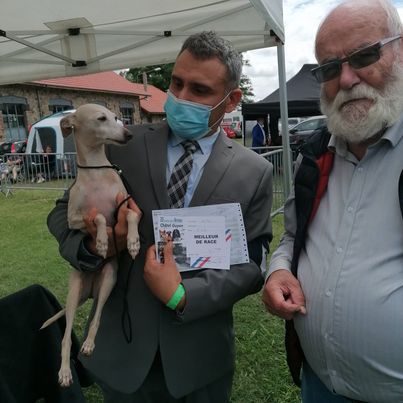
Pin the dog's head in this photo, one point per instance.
(94, 124)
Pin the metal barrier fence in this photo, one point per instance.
(36, 171)
(276, 158)
(33, 171)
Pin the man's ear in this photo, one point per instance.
(66, 125)
(233, 100)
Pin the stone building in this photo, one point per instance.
(23, 104)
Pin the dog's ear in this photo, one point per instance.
(66, 124)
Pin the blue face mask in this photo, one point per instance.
(189, 120)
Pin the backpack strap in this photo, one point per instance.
(325, 164)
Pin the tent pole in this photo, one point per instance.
(284, 120)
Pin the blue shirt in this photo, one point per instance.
(200, 157)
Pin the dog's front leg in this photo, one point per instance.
(103, 286)
(133, 239)
(73, 301)
(102, 235)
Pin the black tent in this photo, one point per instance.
(303, 93)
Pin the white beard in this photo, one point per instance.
(356, 122)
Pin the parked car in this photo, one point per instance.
(8, 147)
(5, 147)
(291, 123)
(234, 121)
(230, 133)
(301, 131)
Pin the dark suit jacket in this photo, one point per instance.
(197, 347)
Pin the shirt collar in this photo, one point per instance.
(205, 143)
(392, 135)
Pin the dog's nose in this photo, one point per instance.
(128, 135)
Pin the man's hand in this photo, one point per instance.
(283, 296)
(120, 226)
(162, 278)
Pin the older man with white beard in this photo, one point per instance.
(337, 275)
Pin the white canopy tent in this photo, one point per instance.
(50, 38)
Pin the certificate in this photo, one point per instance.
(207, 237)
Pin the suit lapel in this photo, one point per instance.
(156, 148)
(216, 166)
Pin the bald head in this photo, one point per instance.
(359, 16)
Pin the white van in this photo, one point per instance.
(47, 132)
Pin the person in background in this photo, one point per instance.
(259, 136)
(46, 166)
(337, 275)
(11, 168)
(182, 346)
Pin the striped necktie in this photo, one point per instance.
(180, 175)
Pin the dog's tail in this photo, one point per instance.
(54, 318)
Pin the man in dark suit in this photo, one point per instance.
(183, 352)
(259, 138)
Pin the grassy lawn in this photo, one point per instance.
(30, 255)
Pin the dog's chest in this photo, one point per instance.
(93, 190)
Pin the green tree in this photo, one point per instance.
(246, 85)
(158, 75)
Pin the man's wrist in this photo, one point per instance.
(87, 260)
(177, 299)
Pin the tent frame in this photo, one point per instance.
(76, 45)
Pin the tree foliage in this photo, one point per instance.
(158, 75)
(246, 85)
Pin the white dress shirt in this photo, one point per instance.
(351, 272)
(200, 157)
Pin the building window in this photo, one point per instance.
(14, 121)
(59, 105)
(126, 112)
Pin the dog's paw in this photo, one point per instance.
(88, 347)
(133, 246)
(102, 247)
(65, 377)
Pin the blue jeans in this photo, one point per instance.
(314, 391)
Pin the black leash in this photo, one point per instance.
(125, 319)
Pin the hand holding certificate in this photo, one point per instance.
(208, 237)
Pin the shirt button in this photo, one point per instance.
(339, 250)
(360, 169)
(328, 293)
(350, 209)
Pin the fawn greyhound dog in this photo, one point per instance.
(97, 185)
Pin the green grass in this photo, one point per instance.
(29, 255)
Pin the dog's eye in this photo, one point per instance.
(102, 118)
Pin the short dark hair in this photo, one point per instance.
(207, 44)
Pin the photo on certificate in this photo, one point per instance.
(172, 229)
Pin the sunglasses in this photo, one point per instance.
(357, 60)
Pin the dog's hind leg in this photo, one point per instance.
(104, 285)
(133, 239)
(74, 299)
